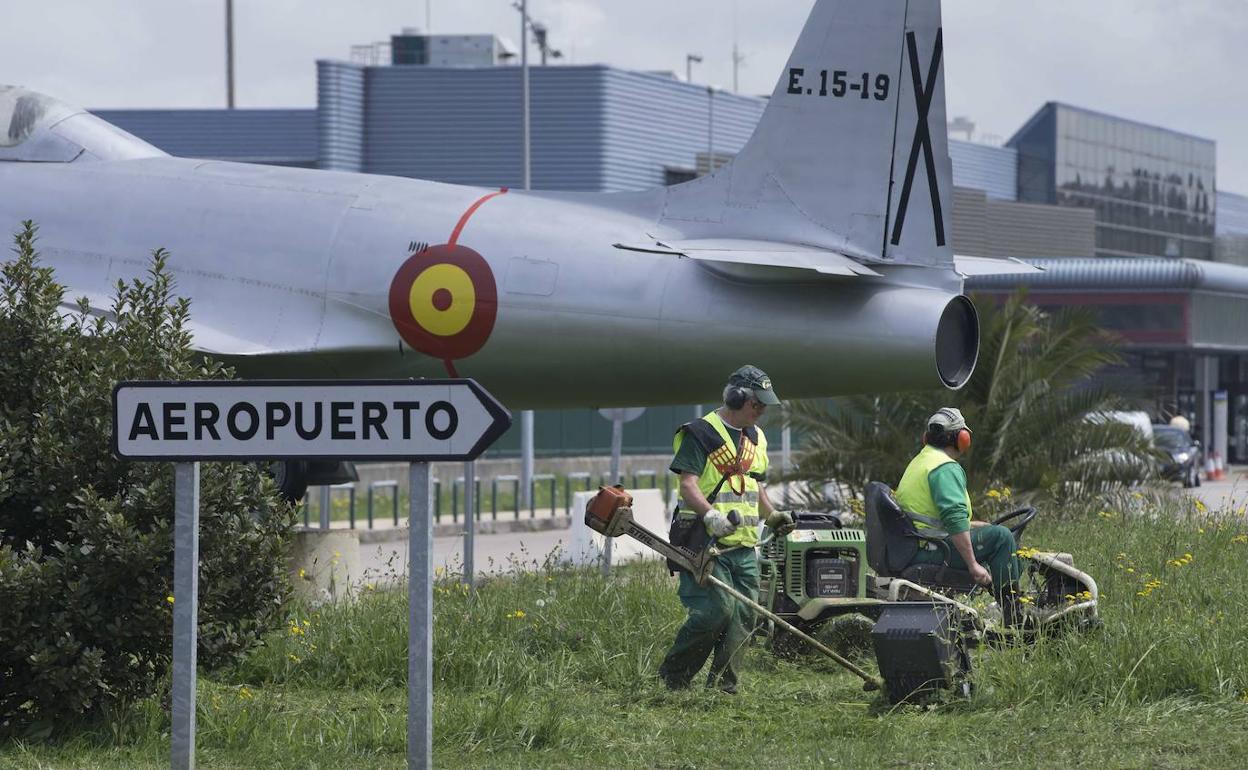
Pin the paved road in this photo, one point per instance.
(1229, 494)
(495, 554)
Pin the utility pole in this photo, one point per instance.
(229, 54)
(710, 129)
(428, 17)
(690, 60)
(526, 416)
(737, 58)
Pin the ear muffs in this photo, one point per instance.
(937, 437)
(735, 396)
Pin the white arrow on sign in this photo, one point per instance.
(413, 420)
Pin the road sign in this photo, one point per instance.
(416, 420)
(625, 414)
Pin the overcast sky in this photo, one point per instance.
(1176, 64)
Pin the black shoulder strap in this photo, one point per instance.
(752, 434)
(705, 434)
(710, 440)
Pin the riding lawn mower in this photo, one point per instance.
(925, 616)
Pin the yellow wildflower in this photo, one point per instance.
(303, 574)
(370, 587)
(169, 598)
(1240, 539)
(993, 493)
(1005, 492)
(1200, 506)
(515, 615)
(245, 694)
(293, 657)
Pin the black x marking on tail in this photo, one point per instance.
(923, 139)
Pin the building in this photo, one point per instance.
(1152, 189)
(1231, 230)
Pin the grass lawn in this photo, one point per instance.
(556, 669)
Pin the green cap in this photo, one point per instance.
(756, 380)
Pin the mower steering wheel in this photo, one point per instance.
(1024, 514)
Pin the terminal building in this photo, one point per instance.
(1125, 217)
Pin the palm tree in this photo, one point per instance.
(1031, 404)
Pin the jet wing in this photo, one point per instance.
(761, 253)
(969, 266)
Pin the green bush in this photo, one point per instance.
(86, 553)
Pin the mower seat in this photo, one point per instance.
(893, 541)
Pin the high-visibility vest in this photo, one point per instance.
(740, 491)
(914, 492)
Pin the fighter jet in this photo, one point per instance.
(821, 253)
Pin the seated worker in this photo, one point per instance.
(934, 485)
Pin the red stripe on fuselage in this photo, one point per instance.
(463, 220)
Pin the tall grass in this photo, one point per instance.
(555, 667)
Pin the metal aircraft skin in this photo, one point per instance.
(821, 253)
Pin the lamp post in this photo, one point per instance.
(690, 60)
(229, 54)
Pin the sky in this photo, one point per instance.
(1175, 64)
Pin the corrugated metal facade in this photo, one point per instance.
(594, 128)
(984, 167)
(286, 137)
(463, 125)
(653, 122)
(986, 227)
(340, 115)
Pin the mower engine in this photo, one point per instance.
(818, 562)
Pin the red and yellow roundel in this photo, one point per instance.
(443, 301)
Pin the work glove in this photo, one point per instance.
(780, 522)
(721, 524)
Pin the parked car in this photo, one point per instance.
(1184, 453)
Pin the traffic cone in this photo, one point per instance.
(1218, 467)
(1210, 470)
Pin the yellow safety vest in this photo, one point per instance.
(914, 492)
(740, 491)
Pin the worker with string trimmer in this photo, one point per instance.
(713, 535)
(722, 462)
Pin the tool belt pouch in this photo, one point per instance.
(689, 531)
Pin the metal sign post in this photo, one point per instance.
(617, 417)
(419, 620)
(415, 420)
(185, 612)
(470, 520)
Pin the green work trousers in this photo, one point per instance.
(717, 622)
(994, 548)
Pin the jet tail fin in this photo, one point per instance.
(851, 153)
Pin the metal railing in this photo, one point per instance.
(504, 496)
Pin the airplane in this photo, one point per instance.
(821, 253)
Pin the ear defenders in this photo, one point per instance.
(735, 396)
(937, 436)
